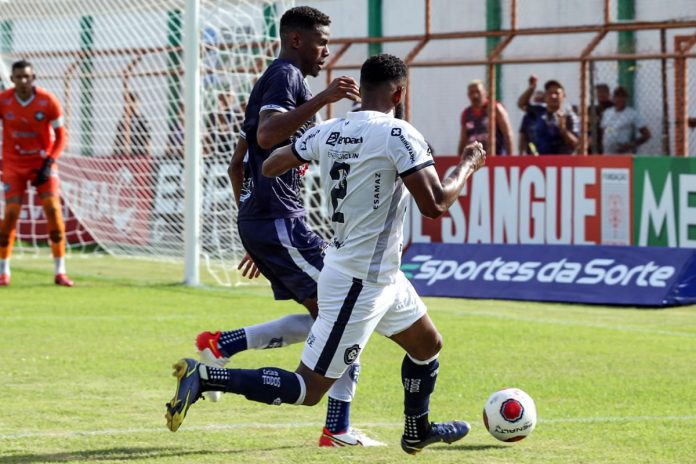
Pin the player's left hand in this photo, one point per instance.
(340, 88)
(249, 267)
(44, 173)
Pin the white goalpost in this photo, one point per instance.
(154, 94)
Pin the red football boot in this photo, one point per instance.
(351, 437)
(209, 353)
(62, 279)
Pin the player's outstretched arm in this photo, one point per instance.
(433, 196)
(281, 161)
(275, 127)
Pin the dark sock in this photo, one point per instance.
(232, 342)
(266, 385)
(337, 415)
(419, 382)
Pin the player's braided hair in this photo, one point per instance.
(380, 69)
(302, 18)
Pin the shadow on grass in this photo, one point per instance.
(120, 454)
(469, 447)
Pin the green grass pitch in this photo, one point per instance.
(85, 373)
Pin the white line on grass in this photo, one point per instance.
(299, 425)
(621, 328)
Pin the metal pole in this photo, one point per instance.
(582, 149)
(492, 102)
(584, 63)
(665, 95)
(192, 144)
(593, 119)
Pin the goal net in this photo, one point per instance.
(117, 67)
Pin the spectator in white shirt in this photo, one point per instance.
(623, 128)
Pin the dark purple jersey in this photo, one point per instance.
(282, 88)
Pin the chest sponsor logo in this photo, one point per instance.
(336, 139)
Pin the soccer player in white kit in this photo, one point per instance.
(369, 163)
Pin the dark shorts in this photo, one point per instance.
(287, 253)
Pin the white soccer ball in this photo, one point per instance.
(510, 414)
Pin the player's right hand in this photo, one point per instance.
(340, 88)
(533, 81)
(475, 154)
(249, 267)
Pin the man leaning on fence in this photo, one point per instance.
(623, 127)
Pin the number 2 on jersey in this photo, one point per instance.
(339, 172)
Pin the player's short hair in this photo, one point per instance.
(302, 18)
(21, 64)
(602, 87)
(553, 83)
(621, 91)
(382, 68)
(478, 83)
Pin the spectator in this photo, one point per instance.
(175, 138)
(219, 136)
(474, 122)
(525, 127)
(132, 131)
(553, 127)
(595, 112)
(621, 125)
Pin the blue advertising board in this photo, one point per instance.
(615, 275)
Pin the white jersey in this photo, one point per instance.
(362, 159)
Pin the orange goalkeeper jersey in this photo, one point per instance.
(27, 134)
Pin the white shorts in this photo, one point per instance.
(349, 311)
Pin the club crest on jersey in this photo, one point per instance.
(39, 116)
(351, 354)
(511, 410)
(9, 116)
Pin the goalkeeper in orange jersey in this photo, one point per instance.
(33, 138)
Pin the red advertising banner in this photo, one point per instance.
(112, 196)
(546, 200)
(32, 225)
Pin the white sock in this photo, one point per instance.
(5, 266)
(303, 390)
(59, 265)
(284, 331)
(343, 389)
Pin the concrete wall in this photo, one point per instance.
(439, 94)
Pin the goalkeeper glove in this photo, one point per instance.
(44, 173)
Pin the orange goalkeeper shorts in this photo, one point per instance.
(15, 179)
